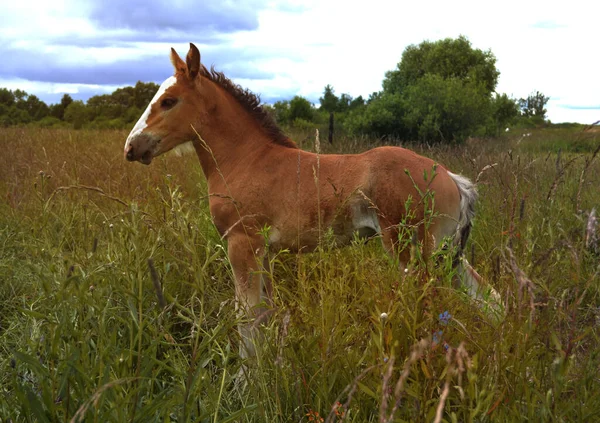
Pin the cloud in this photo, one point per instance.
(576, 107)
(547, 25)
(282, 48)
(68, 65)
(52, 67)
(183, 15)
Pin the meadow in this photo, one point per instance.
(116, 296)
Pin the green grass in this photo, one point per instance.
(83, 336)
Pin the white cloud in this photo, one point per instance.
(539, 45)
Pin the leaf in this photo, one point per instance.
(367, 390)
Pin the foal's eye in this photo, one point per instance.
(167, 103)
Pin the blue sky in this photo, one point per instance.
(282, 48)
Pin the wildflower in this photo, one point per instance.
(339, 409)
(313, 416)
(445, 318)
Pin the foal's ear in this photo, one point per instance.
(193, 61)
(178, 64)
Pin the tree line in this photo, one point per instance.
(439, 91)
(119, 109)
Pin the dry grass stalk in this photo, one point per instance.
(586, 166)
(591, 233)
(458, 361)
(417, 351)
(487, 167)
(385, 390)
(560, 173)
(156, 282)
(524, 282)
(80, 414)
(350, 389)
(86, 188)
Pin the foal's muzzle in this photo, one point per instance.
(140, 148)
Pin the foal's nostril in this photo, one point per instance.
(129, 155)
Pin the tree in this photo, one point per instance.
(7, 97)
(344, 103)
(505, 111)
(124, 97)
(329, 101)
(358, 102)
(300, 108)
(76, 114)
(282, 111)
(534, 105)
(439, 109)
(58, 110)
(20, 95)
(447, 58)
(36, 108)
(66, 100)
(143, 92)
(381, 117)
(439, 91)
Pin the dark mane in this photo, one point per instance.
(251, 102)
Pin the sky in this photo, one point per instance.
(279, 49)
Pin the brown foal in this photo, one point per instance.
(258, 178)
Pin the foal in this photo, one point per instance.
(258, 178)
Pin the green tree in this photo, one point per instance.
(447, 58)
(143, 92)
(20, 95)
(505, 111)
(7, 97)
(300, 108)
(36, 108)
(534, 105)
(439, 109)
(124, 97)
(66, 100)
(329, 101)
(380, 117)
(357, 103)
(282, 111)
(439, 91)
(344, 103)
(76, 114)
(58, 110)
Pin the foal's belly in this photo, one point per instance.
(358, 219)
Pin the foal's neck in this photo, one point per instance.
(229, 134)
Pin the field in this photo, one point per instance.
(87, 333)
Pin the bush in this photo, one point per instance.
(50, 122)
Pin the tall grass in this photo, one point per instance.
(85, 334)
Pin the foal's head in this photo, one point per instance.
(167, 121)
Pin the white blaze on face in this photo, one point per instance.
(141, 123)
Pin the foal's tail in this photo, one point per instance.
(468, 197)
(488, 299)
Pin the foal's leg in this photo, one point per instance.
(246, 254)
